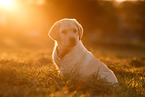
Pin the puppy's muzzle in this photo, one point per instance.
(72, 41)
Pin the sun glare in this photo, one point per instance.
(7, 4)
(120, 0)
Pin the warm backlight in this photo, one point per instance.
(7, 4)
(120, 0)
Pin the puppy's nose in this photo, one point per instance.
(72, 39)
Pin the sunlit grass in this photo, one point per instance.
(31, 73)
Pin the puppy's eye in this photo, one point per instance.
(74, 30)
(64, 32)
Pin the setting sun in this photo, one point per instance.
(6, 4)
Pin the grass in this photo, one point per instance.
(29, 72)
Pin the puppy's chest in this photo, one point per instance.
(68, 61)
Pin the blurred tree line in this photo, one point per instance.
(105, 19)
(101, 20)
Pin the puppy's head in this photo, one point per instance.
(67, 32)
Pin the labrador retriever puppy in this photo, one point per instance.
(70, 55)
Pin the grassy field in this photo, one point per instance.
(29, 72)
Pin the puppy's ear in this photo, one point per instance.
(53, 32)
(80, 29)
